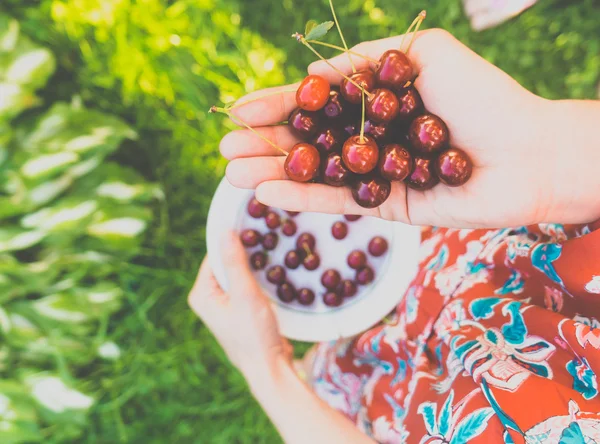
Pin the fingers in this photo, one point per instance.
(242, 284)
(275, 106)
(252, 171)
(206, 292)
(244, 143)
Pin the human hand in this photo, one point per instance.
(242, 319)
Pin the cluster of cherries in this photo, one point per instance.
(336, 289)
(397, 140)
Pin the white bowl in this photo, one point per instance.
(394, 271)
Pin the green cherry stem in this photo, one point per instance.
(362, 122)
(337, 25)
(306, 249)
(272, 93)
(339, 48)
(419, 18)
(216, 109)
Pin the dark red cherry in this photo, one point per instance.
(302, 162)
(250, 238)
(347, 288)
(272, 220)
(293, 259)
(371, 191)
(351, 217)
(288, 228)
(360, 155)
(382, 106)
(258, 260)
(276, 274)
(332, 299)
(378, 246)
(352, 128)
(395, 162)
(311, 261)
(394, 70)
(356, 259)
(256, 209)
(339, 230)
(410, 103)
(423, 176)
(336, 106)
(305, 241)
(428, 134)
(270, 241)
(292, 213)
(365, 275)
(378, 131)
(305, 296)
(453, 167)
(353, 94)
(334, 172)
(304, 124)
(313, 93)
(328, 140)
(286, 292)
(331, 279)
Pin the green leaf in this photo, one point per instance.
(319, 31)
(310, 25)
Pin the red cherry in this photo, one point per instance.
(311, 261)
(330, 279)
(423, 176)
(453, 167)
(272, 220)
(378, 246)
(371, 191)
(353, 94)
(258, 260)
(305, 241)
(276, 275)
(395, 162)
(360, 155)
(305, 296)
(328, 140)
(428, 134)
(365, 275)
(286, 292)
(378, 131)
(336, 106)
(410, 103)
(332, 299)
(334, 172)
(302, 162)
(250, 238)
(339, 230)
(256, 209)
(270, 241)
(394, 70)
(303, 124)
(382, 106)
(288, 228)
(313, 93)
(351, 217)
(347, 288)
(356, 259)
(292, 259)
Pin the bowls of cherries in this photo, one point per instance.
(285, 271)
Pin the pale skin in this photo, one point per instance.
(534, 162)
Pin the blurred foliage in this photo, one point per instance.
(160, 64)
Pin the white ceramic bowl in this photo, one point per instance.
(394, 271)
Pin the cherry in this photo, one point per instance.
(292, 259)
(276, 274)
(250, 238)
(382, 106)
(347, 288)
(288, 228)
(428, 134)
(332, 299)
(286, 292)
(360, 155)
(305, 296)
(328, 140)
(378, 246)
(303, 124)
(423, 176)
(305, 241)
(334, 172)
(270, 241)
(351, 217)
(394, 70)
(395, 162)
(311, 261)
(339, 230)
(335, 107)
(302, 162)
(352, 128)
(292, 213)
(365, 275)
(330, 279)
(256, 209)
(378, 131)
(258, 260)
(356, 259)
(453, 167)
(410, 103)
(371, 191)
(272, 219)
(313, 93)
(353, 94)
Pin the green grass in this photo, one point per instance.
(173, 384)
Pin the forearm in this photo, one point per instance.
(297, 413)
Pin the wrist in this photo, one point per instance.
(269, 380)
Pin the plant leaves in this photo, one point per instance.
(310, 25)
(319, 31)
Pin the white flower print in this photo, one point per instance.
(448, 280)
(384, 432)
(593, 286)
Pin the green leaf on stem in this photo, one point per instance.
(318, 31)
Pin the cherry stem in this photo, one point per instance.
(362, 122)
(337, 25)
(418, 19)
(339, 48)
(302, 40)
(305, 247)
(216, 109)
(272, 93)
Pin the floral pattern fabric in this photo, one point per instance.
(496, 340)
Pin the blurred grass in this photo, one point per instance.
(173, 384)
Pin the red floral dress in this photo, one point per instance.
(496, 340)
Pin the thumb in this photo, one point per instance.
(237, 269)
